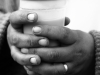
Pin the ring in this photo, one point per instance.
(66, 67)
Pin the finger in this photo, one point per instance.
(51, 69)
(24, 40)
(59, 54)
(51, 44)
(18, 18)
(67, 21)
(60, 33)
(22, 58)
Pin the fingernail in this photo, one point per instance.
(43, 42)
(33, 60)
(31, 17)
(36, 30)
(24, 50)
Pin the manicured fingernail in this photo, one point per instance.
(33, 60)
(24, 50)
(31, 17)
(43, 42)
(36, 30)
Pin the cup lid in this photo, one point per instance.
(42, 4)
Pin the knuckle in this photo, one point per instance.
(47, 30)
(17, 16)
(13, 39)
(31, 41)
(53, 56)
(65, 33)
(22, 16)
(79, 53)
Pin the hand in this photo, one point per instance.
(77, 51)
(78, 41)
(15, 30)
(17, 39)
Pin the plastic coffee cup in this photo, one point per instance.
(50, 12)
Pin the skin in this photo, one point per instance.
(76, 47)
(11, 5)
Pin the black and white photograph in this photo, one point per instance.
(49, 37)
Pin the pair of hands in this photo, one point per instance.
(51, 46)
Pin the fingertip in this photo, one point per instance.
(24, 59)
(32, 17)
(36, 30)
(18, 18)
(24, 50)
(43, 42)
(35, 60)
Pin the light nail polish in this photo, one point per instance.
(31, 17)
(36, 30)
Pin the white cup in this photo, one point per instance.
(50, 12)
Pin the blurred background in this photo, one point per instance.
(83, 14)
(8, 5)
(2, 4)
